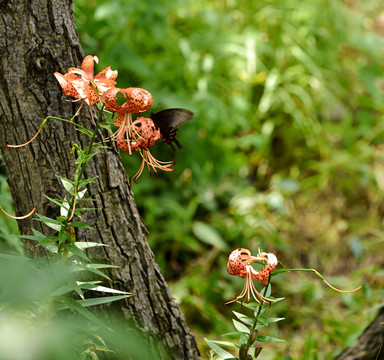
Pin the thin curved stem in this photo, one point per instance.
(318, 275)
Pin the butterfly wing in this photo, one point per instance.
(168, 122)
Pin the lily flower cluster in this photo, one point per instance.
(239, 263)
(132, 135)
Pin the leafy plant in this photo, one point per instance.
(281, 152)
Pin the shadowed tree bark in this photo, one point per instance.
(370, 345)
(38, 38)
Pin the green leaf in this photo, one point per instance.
(85, 158)
(78, 224)
(37, 236)
(49, 247)
(67, 288)
(92, 269)
(272, 320)
(244, 318)
(73, 304)
(209, 235)
(81, 194)
(240, 327)
(226, 343)
(102, 300)
(86, 199)
(85, 182)
(87, 244)
(63, 236)
(100, 266)
(48, 240)
(233, 333)
(219, 351)
(56, 202)
(77, 126)
(262, 319)
(254, 306)
(52, 223)
(100, 146)
(84, 131)
(108, 290)
(69, 185)
(75, 287)
(76, 251)
(80, 210)
(64, 209)
(268, 339)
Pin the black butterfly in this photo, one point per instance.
(168, 122)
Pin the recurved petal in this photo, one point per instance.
(65, 82)
(109, 99)
(121, 142)
(119, 119)
(107, 74)
(140, 100)
(146, 132)
(88, 66)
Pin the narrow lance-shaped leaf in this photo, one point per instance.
(219, 351)
(240, 327)
(269, 339)
(87, 244)
(73, 304)
(102, 300)
(52, 223)
(244, 318)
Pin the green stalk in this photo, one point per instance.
(80, 170)
(318, 275)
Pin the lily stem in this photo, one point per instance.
(79, 173)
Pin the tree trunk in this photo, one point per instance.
(38, 38)
(370, 345)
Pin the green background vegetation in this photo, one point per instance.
(283, 153)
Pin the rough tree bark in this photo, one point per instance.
(38, 38)
(370, 345)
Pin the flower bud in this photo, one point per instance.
(253, 337)
(258, 351)
(243, 352)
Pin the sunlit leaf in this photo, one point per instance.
(219, 351)
(269, 339)
(244, 318)
(87, 244)
(241, 327)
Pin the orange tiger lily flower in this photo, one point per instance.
(136, 101)
(239, 263)
(83, 84)
(143, 135)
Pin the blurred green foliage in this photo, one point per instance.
(40, 322)
(283, 152)
(8, 226)
(288, 102)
